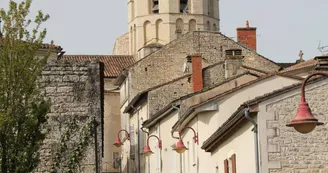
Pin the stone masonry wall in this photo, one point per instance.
(213, 74)
(75, 93)
(167, 63)
(162, 96)
(121, 46)
(288, 150)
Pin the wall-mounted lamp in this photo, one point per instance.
(118, 142)
(180, 147)
(304, 121)
(147, 151)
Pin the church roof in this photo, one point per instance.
(305, 64)
(113, 64)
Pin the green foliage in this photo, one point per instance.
(73, 145)
(23, 108)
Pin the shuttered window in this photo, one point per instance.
(233, 163)
(230, 165)
(226, 166)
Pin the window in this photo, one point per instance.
(179, 27)
(155, 8)
(210, 8)
(184, 6)
(192, 25)
(230, 164)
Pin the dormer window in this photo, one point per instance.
(184, 6)
(155, 8)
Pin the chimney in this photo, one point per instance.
(322, 63)
(233, 62)
(197, 72)
(247, 36)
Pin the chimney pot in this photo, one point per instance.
(247, 36)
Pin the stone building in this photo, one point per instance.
(75, 93)
(162, 21)
(178, 52)
(112, 65)
(281, 148)
(205, 111)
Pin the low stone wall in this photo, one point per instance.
(74, 90)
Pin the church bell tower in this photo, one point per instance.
(153, 23)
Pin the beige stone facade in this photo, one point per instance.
(167, 63)
(120, 46)
(153, 21)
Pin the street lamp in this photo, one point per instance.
(304, 121)
(147, 150)
(118, 142)
(180, 147)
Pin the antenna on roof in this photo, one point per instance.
(322, 49)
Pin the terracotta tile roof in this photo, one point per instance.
(305, 64)
(114, 64)
(285, 65)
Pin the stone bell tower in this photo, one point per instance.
(154, 23)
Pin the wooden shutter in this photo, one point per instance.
(233, 163)
(226, 166)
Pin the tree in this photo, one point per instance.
(23, 109)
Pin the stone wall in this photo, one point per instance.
(161, 97)
(288, 150)
(167, 63)
(74, 90)
(121, 46)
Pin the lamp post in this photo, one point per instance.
(147, 150)
(180, 147)
(304, 121)
(118, 142)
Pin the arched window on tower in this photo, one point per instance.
(185, 6)
(208, 26)
(147, 32)
(192, 25)
(159, 30)
(215, 28)
(155, 6)
(131, 41)
(134, 38)
(179, 27)
(210, 8)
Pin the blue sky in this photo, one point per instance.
(284, 26)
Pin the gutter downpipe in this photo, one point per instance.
(179, 116)
(257, 165)
(138, 138)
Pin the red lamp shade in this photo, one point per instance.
(118, 142)
(180, 147)
(304, 122)
(147, 151)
